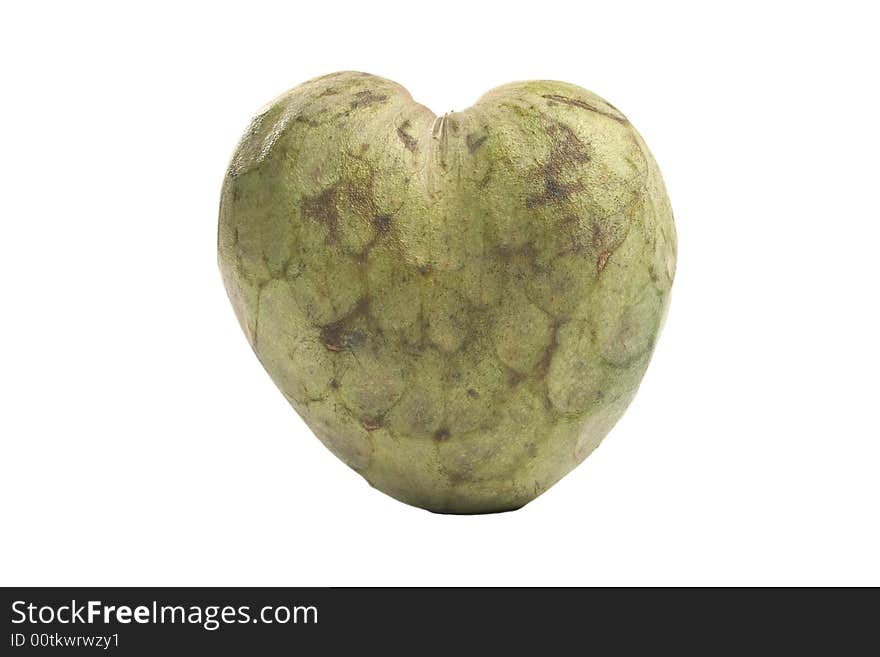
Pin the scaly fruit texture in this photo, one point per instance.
(459, 307)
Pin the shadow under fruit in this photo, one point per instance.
(459, 307)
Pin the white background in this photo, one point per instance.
(143, 444)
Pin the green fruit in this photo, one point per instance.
(460, 307)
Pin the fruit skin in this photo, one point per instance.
(460, 307)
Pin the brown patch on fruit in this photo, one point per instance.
(568, 151)
(366, 98)
(382, 223)
(312, 123)
(554, 192)
(523, 254)
(598, 237)
(474, 142)
(543, 366)
(600, 240)
(508, 253)
(339, 335)
(332, 337)
(322, 208)
(408, 140)
(575, 102)
(516, 109)
(372, 423)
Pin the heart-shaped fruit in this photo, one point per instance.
(460, 307)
